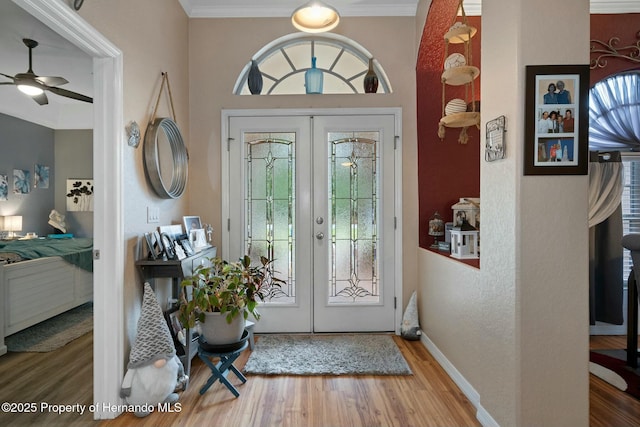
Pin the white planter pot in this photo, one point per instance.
(216, 330)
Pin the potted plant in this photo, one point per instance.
(223, 294)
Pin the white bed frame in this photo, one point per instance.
(35, 290)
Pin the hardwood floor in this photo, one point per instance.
(63, 376)
(609, 406)
(428, 398)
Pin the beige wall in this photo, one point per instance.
(203, 58)
(153, 36)
(218, 51)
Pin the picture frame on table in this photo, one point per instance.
(186, 246)
(556, 120)
(154, 245)
(198, 239)
(168, 245)
(191, 223)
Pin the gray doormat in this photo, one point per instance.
(53, 333)
(350, 354)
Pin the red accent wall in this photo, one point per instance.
(627, 28)
(447, 170)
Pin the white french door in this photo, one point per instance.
(317, 194)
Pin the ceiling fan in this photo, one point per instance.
(34, 85)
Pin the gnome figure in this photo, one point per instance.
(410, 328)
(154, 371)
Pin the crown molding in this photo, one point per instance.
(474, 7)
(612, 6)
(207, 9)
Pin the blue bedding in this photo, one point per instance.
(77, 250)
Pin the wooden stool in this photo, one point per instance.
(220, 370)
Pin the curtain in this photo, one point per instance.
(614, 124)
(605, 231)
(614, 113)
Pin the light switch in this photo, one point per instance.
(153, 214)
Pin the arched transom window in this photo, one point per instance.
(284, 61)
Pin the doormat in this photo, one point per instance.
(350, 354)
(610, 367)
(53, 333)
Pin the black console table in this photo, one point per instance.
(177, 270)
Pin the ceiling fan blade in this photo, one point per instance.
(51, 80)
(8, 76)
(41, 99)
(7, 83)
(69, 94)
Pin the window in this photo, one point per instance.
(630, 203)
(284, 61)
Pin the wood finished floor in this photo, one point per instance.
(428, 398)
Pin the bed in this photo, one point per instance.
(41, 278)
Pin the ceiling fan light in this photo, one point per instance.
(315, 17)
(30, 90)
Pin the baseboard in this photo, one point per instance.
(474, 397)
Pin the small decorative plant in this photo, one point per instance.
(231, 288)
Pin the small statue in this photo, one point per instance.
(209, 230)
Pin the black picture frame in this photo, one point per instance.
(154, 245)
(178, 332)
(167, 244)
(186, 246)
(556, 148)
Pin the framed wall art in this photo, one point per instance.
(556, 120)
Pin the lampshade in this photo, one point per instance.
(13, 223)
(30, 90)
(315, 17)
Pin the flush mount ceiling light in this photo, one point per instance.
(315, 17)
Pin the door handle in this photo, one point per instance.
(320, 236)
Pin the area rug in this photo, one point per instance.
(53, 333)
(350, 354)
(612, 368)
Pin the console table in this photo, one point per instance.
(177, 270)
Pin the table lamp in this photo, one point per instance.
(12, 223)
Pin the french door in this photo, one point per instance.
(317, 195)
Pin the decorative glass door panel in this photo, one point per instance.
(353, 203)
(309, 192)
(269, 206)
(354, 191)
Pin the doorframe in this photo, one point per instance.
(395, 111)
(108, 233)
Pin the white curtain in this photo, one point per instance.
(614, 113)
(605, 186)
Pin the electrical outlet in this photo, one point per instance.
(153, 215)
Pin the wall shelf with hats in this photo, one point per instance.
(459, 71)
